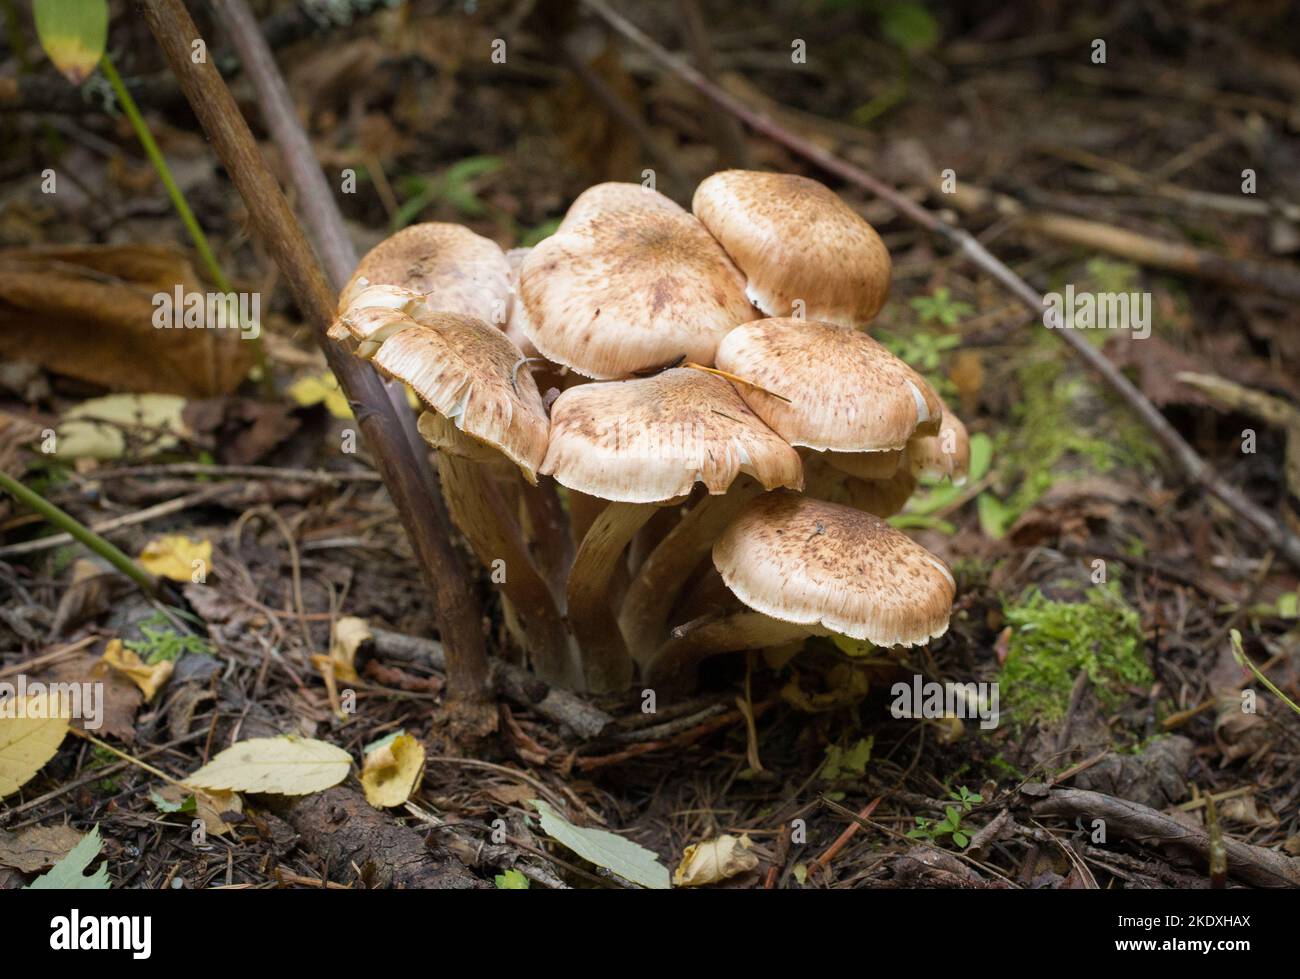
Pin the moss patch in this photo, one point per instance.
(1051, 641)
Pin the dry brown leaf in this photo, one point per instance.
(87, 311)
(37, 847)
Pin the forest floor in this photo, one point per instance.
(1095, 587)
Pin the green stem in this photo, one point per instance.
(151, 150)
(81, 533)
(1239, 655)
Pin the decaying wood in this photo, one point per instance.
(1249, 864)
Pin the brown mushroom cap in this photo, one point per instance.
(466, 371)
(650, 440)
(846, 392)
(796, 240)
(600, 200)
(630, 291)
(457, 270)
(806, 561)
(946, 453)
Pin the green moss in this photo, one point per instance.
(1051, 641)
(1061, 423)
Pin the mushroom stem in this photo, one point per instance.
(606, 662)
(649, 536)
(664, 574)
(672, 668)
(548, 530)
(481, 515)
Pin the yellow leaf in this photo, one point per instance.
(174, 557)
(31, 731)
(714, 860)
(393, 770)
(349, 633)
(317, 388)
(150, 679)
(99, 428)
(312, 389)
(285, 766)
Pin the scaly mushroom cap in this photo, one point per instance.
(466, 371)
(847, 392)
(514, 325)
(601, 200)
(629, 291)
(457, 270)
(650, 440)
(815, 563)
(796, 240)
(944, 454)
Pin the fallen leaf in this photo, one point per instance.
(714, 860)
(118, 698)
(322, 388)
(69, 874)
(150, 679)
(102, 428)
(29, 737)
(629, 860)
(87, 311)
(286, 765)
(177, 557)
(349, 633)
(220, 811)
(392, 771)
(36, 847)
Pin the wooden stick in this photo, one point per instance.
(1197, 471)
(268, 211)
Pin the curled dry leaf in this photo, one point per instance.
(149, 678)
(715, 860)
(393, 770)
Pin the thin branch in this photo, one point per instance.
(1195, 468)
(268, 212)
(80, 533)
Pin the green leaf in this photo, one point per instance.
(960, 839)
(69, 874)
(909, 26)
(994, 515)
(511, 880)
(73, 34)
(188, 804)
(629, 860)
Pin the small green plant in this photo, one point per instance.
(458, 186)
(941, 308)
(931, 830)
(511, 880)
(163, 642)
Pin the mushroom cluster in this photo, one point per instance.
(720, 440)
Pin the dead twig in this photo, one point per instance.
(1250, 864)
